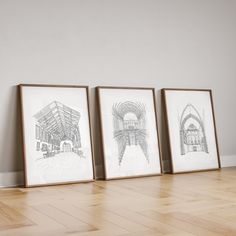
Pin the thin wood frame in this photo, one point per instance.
(20, 88)
(166, 120)
(98, 99)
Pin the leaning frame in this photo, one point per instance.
(166, 119)
(22, 127)
(98, 98)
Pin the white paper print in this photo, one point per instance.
(57, 136)
(129, 132)
(191, 130)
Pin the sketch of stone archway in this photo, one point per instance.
(192, 131)
(57, 130)
(129, 127)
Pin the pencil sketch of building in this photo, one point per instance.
(192, 131)
(57, 130)
(129, 127)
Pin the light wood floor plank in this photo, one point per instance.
(191, 204)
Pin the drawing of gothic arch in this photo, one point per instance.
(192, 131)
(57, 130)
(129, 127)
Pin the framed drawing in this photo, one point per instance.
(56, 134)
(129, 132)
(191, 130)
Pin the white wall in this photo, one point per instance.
(157, 43)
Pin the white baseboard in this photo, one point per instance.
(13, 179)
(228, 161)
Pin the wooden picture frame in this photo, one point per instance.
(114, 103)
(57, 141)
(191, 129)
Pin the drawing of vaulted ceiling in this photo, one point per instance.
(58, 120)
(121, 109)
(190, 122)
(190, 113)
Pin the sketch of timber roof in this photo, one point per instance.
(58, 119)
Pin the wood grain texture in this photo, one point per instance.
(202, 203)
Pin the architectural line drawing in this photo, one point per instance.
(192, 131)
(129, 127)
(57, 130)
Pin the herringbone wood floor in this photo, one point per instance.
(201, 203)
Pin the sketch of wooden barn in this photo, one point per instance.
(192, 131)
(57, 129)
(129, 126)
